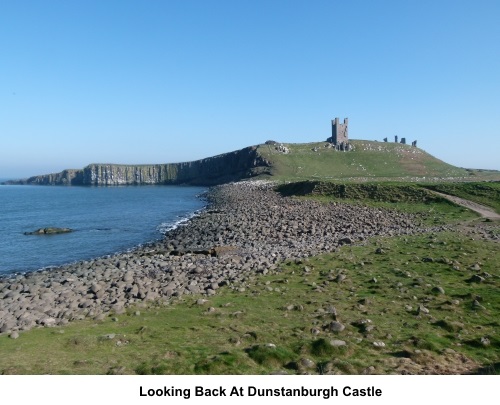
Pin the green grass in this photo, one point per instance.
(270, 326)
(369, 160)
(406, 197)
(483, 193)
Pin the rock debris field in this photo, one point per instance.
(246, 230)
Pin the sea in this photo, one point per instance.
(105, 220)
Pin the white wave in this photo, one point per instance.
(165, 227)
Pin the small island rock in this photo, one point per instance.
(49, 231)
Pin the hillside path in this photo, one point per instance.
(483, 210)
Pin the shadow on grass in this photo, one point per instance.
(490, 369)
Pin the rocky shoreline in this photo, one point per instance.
(247, 229)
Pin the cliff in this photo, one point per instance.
(219, 169)
(366, 161)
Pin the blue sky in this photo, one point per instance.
(168, 81)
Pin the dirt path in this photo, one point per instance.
(483, 210)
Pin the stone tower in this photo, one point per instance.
(339, 132)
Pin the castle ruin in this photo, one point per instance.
(340, 135)
(403, 141)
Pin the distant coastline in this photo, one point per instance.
(214, 170)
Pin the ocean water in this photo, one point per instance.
(105, 220)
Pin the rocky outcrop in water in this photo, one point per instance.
(49, 231)
(241, 164)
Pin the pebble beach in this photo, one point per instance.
(247, 229)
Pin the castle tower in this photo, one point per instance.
(340, 132)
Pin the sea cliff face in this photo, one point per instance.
(219, 169)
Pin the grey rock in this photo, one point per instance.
(477, 305)
(48, 322)
(307, 363)
(476, 279)
(369, 370)
(423, 310)
(49, 231)
(438, 290)
(336, 327)
(485, 341)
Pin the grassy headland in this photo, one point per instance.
(368, 160)
(425, 302)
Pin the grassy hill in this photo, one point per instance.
(368, 161)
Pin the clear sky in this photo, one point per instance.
(167, 81)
